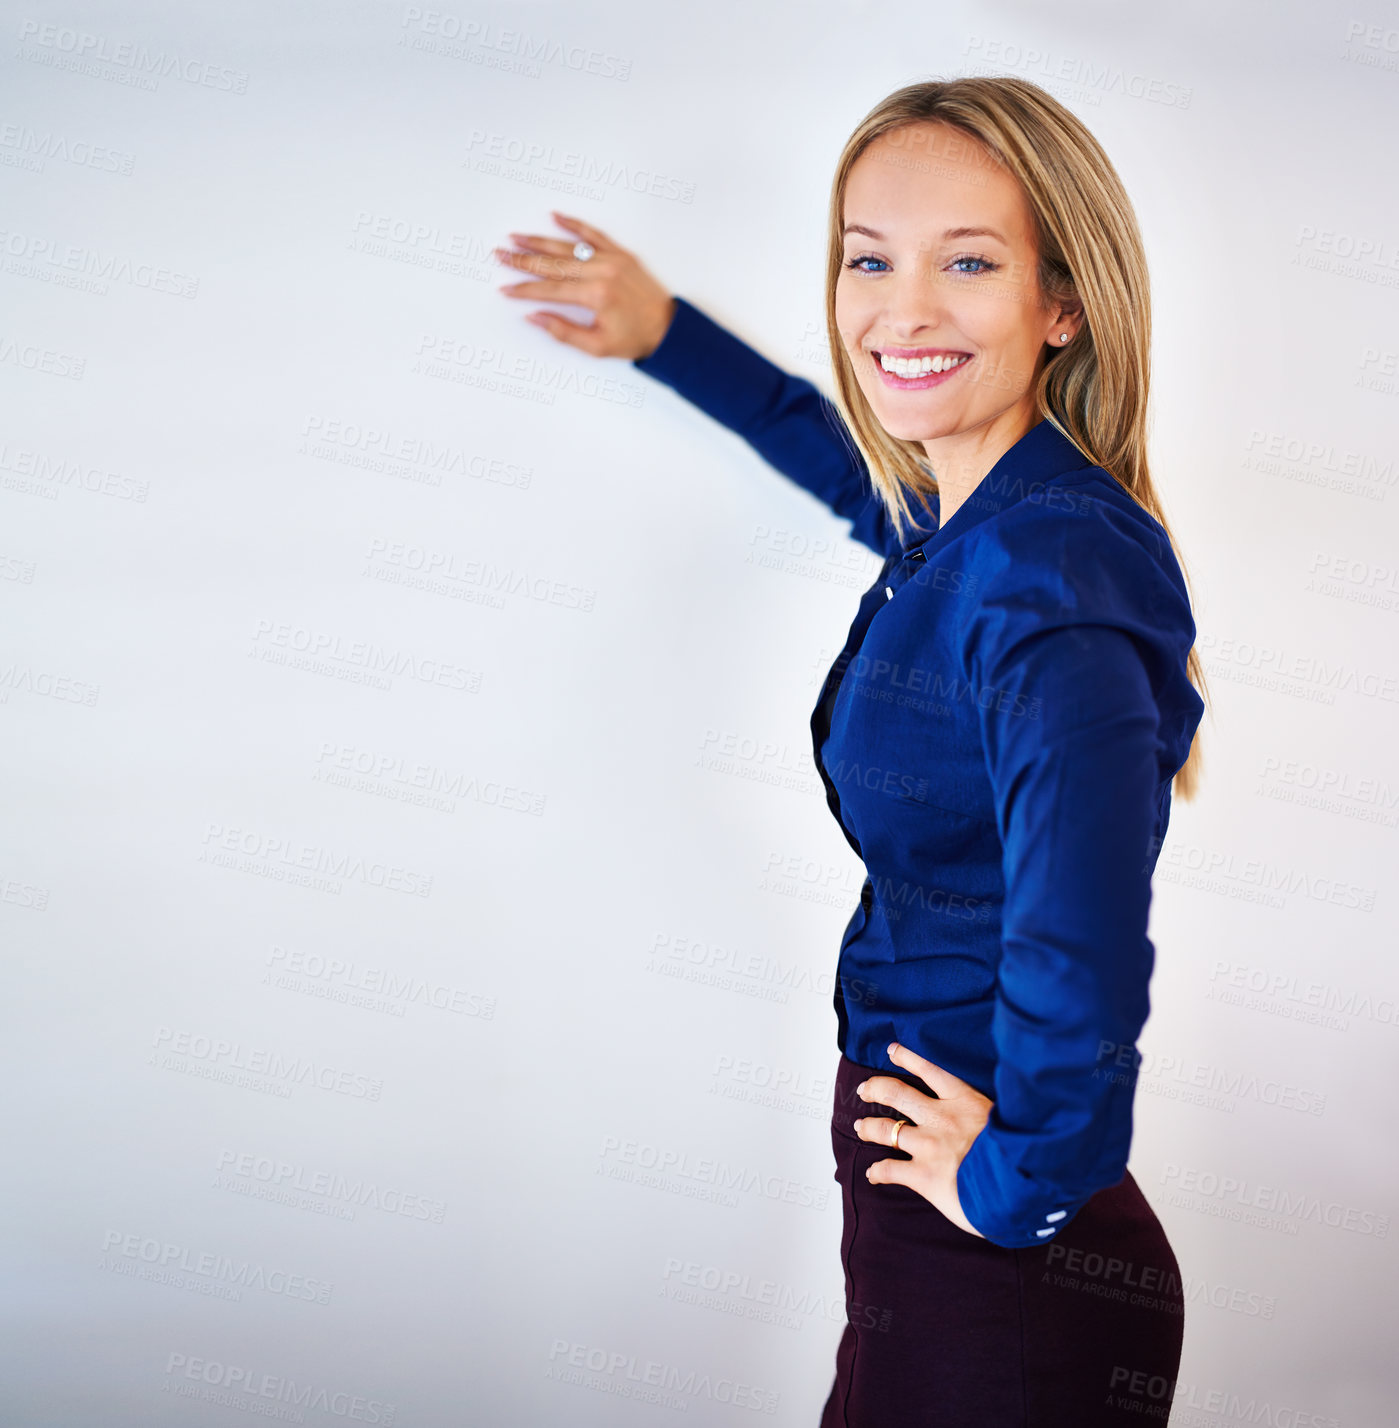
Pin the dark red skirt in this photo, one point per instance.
(947, 1330)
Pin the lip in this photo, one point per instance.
(930, 379)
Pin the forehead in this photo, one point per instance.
(924, 175)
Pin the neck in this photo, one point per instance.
(960, 461)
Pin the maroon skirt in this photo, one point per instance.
(947, 1330)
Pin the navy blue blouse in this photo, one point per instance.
(997, 740)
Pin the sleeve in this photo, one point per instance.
(787, 420)
(1069, 725)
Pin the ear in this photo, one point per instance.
(1070, 309)
(1068, 317)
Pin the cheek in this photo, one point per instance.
(1000, 321)
(853, 304)
(852, 323)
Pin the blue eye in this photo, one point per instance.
(986, 266)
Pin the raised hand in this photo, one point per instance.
(632, 309)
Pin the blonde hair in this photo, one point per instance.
(1095, 389)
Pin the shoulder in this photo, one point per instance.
(1078, 549)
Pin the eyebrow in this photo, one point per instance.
(948, 233)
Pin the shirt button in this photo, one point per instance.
(888, 592)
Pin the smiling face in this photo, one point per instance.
(939, 283)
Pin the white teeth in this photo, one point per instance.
(919, 366)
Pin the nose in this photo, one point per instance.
(914, 307)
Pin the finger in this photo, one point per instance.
(879, 1130)
(545, 264)
(541, 243)
(890, 1091)
(595, 236)
(548, 290)
(575, 334)
(891, 1172)
(944, 1083)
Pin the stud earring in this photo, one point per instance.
(1063, 337)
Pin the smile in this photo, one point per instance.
(922, 370)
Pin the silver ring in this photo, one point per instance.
(583, 251)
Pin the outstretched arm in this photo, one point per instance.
(786, 419)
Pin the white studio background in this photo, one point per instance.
(323, 1101)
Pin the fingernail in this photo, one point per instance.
(858, 1124)
(893, 1047)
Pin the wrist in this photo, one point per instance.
(660, 328)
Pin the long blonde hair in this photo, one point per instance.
(1095, 389)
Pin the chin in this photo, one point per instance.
(909, 426)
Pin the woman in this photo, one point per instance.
(998, 740)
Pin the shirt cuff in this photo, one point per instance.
(673, 360)
(716, 370)
(1006, 1206)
